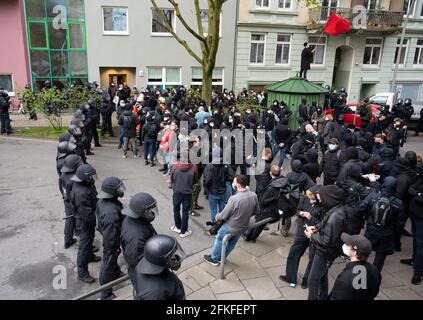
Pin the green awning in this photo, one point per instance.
(296, 85)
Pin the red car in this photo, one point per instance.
(349, 117)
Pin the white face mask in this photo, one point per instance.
(332, 147)
(327, 119)
(313, 201)
(346, 250)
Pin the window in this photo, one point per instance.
(6, 82)
(205, 21)
(76, 10)
(320, 49)
(197, 77)
(283, 46)
(411, 91)
(328, 6)
(418, 55)
(158, 25)
(35, 9)
(371, 4)
(257, 48)
(57, 36)
(284, 4)
(164, 77)
(262, 3)
(37, 34)
(372, 51)
(403, 51)
(406, 7)
(115, 20)
(76, 36)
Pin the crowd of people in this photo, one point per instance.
(343, 181)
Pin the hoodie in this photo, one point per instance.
(183, 177)
(128, 123)
(214, 178)
(298, 177)
(311, 168)
(269, 199)
(327, 239)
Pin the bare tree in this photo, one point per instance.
(209, 43)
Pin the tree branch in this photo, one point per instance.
(200, 25)
(185, 24)
(173, 33)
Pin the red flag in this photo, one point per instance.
(336, 25)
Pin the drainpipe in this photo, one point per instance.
(235, 45)
(404, 27)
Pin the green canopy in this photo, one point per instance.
(291, 91)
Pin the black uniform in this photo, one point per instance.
(84, 199)
(134, 235)
(163, 286)
(4, 113)
(109, 219)
(66, 184)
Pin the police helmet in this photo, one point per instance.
(85, 173)
(72, 162)
(90, 102)
(400, 101)
(75, 130)
(112, 187)
(64, 148)
(142, 205)
(408, 102)
(161, 252)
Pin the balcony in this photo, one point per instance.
(377, 20)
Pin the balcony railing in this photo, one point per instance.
(376, 19)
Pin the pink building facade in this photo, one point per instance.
(14, 63)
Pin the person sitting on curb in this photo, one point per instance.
(236, 217)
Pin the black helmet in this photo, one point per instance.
(342, 90)
(91, 103)
(47, 84)
(75, 130)
(86, 174)
(400, 101)
(408, 102)
(83, 107)
(161, 252)
(327, 87)
(72, 162)
(64, 148)
(142, 205)
(112, 187)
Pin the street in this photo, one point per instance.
(31, 213)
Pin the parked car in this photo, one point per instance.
(387, 98)
(349, 114)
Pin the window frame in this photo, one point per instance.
(259, 42)
(164, 82)
(220, 24)
(11, 93)
(397, 45)
(315, 45)
(198, 83)
(420, 56)
(116, 33)
(163, 34)
(283, 43)
(261, 7)
(373, 65)
(413, 13)
(336, 8)
(284, 8)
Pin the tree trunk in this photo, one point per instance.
(206, 90)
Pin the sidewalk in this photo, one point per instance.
(252, 273)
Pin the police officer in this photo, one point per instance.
(109, 222)
(4, 112)
(64, 149)
(137, 229)
(76, 138)
(155, 278)
(72, 162)
(84, 199)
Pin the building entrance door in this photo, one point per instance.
(117, 78)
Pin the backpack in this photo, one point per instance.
(288, 199)
(150, 130)
(381, 212)
(127, 122)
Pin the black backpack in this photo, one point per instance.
(127, 122)
(381, 213)
(288, 199)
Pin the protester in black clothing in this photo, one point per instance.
(303, 115)
(4, 112)
(309, 213)
(350, 156)
(330, 165)
(300, 148)
(106, 111)
(306, 59)
(346, 286)
(263, 179)
(283, 138)
(312, 167)
(326, 237)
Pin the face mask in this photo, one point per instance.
(327, 119)
(313, 201)
(332, 147)
(346, 250)
(269, 111)
(212, 125)
(233, 186)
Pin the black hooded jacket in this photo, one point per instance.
(327, 240)
(312, 168)
(263, 179)
(109, 224)
(298, 177)
(269, 199)
(330, 165)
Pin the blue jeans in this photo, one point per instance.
(185, 200)
(217, 204)
(149, 149)
(217, 249)
(282, 152)
(229, 191)
(120, 136)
